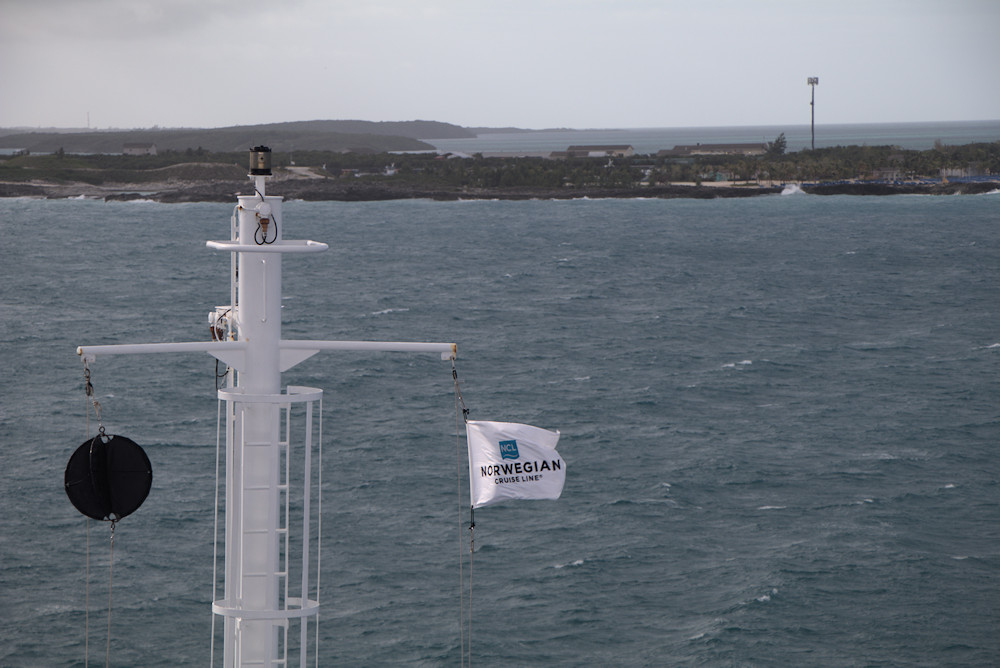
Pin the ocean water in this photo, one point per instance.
(916, 136)
(779, 416)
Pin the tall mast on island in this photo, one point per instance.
(812, 82)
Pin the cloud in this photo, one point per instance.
(538, 63)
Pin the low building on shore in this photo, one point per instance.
(609, 151)
(686, 150)
(138, 148)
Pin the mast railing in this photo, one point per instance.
(296, 602)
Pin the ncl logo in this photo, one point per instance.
(508, 450)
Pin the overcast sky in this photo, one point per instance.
(525, 63)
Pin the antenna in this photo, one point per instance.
(813, 81)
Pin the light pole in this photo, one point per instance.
(813, 81)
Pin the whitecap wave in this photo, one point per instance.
(883, 456)
(139, 200)
(792, 189)
(764, 598)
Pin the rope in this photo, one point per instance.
(462, 409)
(472, 558)
(92, 400)
(86, 624)
(88, 397)
(458, 391)
(86, 610)
(461, 539)
(111, 574)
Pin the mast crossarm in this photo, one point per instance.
(293, 351)
(283, 246)
(232, 353)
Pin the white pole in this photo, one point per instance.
(252, 573)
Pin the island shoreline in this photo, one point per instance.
(319, 190)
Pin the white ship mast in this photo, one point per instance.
(258, 605)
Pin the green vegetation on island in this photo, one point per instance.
(316, 174)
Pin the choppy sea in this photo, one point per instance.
(779, 416)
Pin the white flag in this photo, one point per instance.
(513, 461)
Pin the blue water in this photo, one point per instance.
(916, 136)
(779, 415)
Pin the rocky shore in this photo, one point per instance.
(313, 189)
